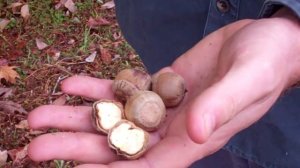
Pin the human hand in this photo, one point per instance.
(233, 77)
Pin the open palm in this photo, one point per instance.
(232, 80)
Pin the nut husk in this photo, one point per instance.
(139, 78)
(170, 87)
(105, 114)
(146, 109)
(128, 140)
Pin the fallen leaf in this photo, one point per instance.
(105, 55)
(40, 44)
(60, 4)
(3, 24)
(76, 20)
(54, 53)
(5, 92)
(11, 107)
(93, 23)
(71, 41)
(34, 132)
(14, 7)
(22, 125)
(117, 56)
(91, 58)
(3, 62)
(117, 35)
(70, 5)
(3, 157)
(18, 155)
(8, 73)
(25, 12)
(132, 56)
(60, 101)
(108, 5)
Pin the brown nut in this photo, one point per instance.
(128, 140)
(170, 87)
(139, 78)
(146, 109)
(105, 114)
(123, 89)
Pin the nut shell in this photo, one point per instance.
(97, 119)
(170, 87)
(119, 150)
(123, 89)
(139, 78)
(146, 109)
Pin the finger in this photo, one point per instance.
(221, 102)
(88, 87)
(160, 156)
(62, 117)
(83, 147)
(91, 166)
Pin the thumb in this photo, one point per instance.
(221, 102)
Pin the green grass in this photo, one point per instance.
(86, 40)
(37, 68)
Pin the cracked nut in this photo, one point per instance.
(146, 109)
(170, 87)
(128, 140)
(138, 78)
(106, 113)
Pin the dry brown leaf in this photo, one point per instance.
(40, 44)
(22, 125)
(3, 24)
(108, 5)
(18, 155)
(5, 92)
(70, 5)
(105, 55)
(117, 35)
(71, 41)
(54, 53)
(8, 73)
(15, 7)
(91, 58)
(11, 107)
(60, 101)
(15, 4)
(25, 12)
(93, 23)
(3, 62)
(60, 4)
(3, 157)
(34, 132)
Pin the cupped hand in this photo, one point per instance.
(233, 77)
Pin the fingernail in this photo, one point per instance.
(208, 125)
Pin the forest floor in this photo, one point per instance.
(42, 43)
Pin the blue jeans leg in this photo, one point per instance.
(224, 159)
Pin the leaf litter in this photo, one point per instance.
(39, 45)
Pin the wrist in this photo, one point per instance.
(290, 25)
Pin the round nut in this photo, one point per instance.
(170, 87)
(140, 79)
(146, 109)
(123, 89)
(128, 140)
(105, 114)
